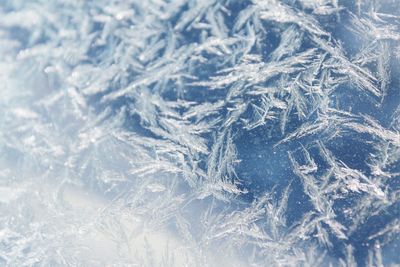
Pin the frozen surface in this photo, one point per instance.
(199, 133)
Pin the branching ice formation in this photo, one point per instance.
(199, 133)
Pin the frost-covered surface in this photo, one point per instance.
(199, 133)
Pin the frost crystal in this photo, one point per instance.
(199, 133)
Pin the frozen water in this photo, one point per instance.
(199, 133)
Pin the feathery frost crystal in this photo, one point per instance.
(199, 133)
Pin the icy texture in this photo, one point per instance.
(199, 133)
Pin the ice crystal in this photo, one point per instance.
(199, 133)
